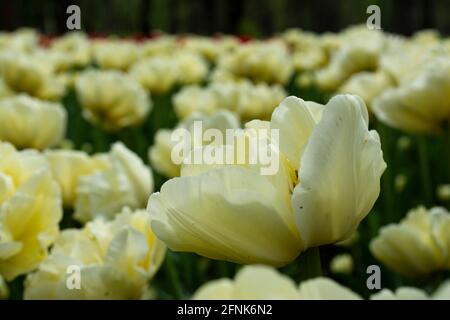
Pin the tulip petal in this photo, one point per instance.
(389, 248)
(226, 214)
(221, 289)
(339, 174)
(419, 106)
(402, 293)
(263, 283)
(295, 119)
(390, 109)
(325, 289)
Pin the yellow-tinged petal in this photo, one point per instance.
(126, 182)
(115, 260)
(258, 282)
(160, 154)
(325, 289)
(339, 176)
(226, 214)
(68, 166)
(443, 291)
(263, 283)
(29, 212)
(403, 293)
(420, 105)
(221, 289)
(29, 122)
(389, 109)
(295, 119)
(418, 245)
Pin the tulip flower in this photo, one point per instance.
(114, 54)
(26, 73)
(73, 49)
(210, 48)
(418, 245)
(192, 68)
(113, 99)
(422, 104)
(367, 85)
(327, 181)
(69, 165)
(156, 74)
(30, 210)
(114, 260)
(28, 122)
(160, 154)
(125, 181)
(256, 101)
(308, 51)
(358, 50)
(21, 40)
(342, 263)
(193, 99)
(443, 192)
(267, 62)
(250, 101)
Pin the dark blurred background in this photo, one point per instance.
(256, 18)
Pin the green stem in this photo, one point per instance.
(425, 170)
(99, 139)
(309, 264)
(388, 191)
(448, 149)
(140, 142)
(173, 275)
(387, 180)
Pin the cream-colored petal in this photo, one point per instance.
(403, 293)
(140, 176)
(108, 283)
(221, 289)
(22, 120)
(325, 289)
(442, 292)
(127, 250)
(116, 259)
(127, 182)
(339, 177)
(295, 121)
(67, 167)
(263, 283)
(440, 230)
(418, 245)
(225, 214)
(31, 217)
(389, 109)
(391, 248)
(160, 154)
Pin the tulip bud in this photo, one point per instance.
(342, 263)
